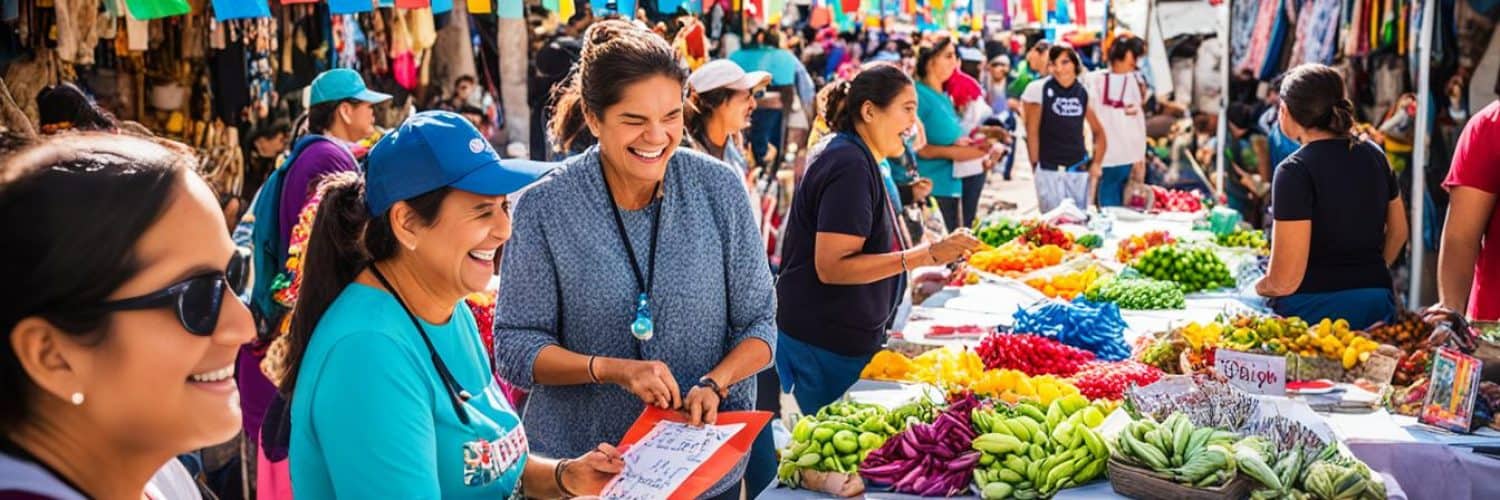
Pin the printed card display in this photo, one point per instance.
(1252, 373)
(1450, 397)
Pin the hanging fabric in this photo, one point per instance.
(225, 10)
(565, 9)
(1266, 15)
(488, 6)
(76, 30)
(413, 4)
(137, 33)
(156, 9)
(442, 6)
(1317, 28)
(1242, 28)
(623, 7)
(341, 7)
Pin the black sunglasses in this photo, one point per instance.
(197, 300)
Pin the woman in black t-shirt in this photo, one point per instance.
(1340, 222)
(844, 259)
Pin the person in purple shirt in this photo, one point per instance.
(342, 111)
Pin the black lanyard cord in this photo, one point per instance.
(643, 284)
(456, 393)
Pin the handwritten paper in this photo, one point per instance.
(658, 464)
(1252, 373)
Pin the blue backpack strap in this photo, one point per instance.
(269, 252)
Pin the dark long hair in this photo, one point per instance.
(929, 49)
(1065, 51)
(878, 85)
(1314, 95)
(700, 108)
(65, 103)
(71, 209)
(615, 54)
(344, 240)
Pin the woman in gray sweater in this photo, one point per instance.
(636, 275)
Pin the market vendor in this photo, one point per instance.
(1332, 248)
(120, 338)
(844, 262)
(382, 345)
(637, 275)
(1469, 258)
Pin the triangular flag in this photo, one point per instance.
(819, 17)
(340, 7)
(482, 6)
(565, 9)
(156, 9)
(225, 10)
(412, 4)
(512, 9)
(441, 6)
(848, 6)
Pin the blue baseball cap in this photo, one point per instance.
(342, 83)
(436, 149)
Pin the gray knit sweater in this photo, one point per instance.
(565, 280)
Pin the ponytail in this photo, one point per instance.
(344, 240)
(1340, 117)
(835, 111)
(1314, 97)
(878, 85)
(567, 125)
(615, 54)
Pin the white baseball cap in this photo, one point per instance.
(722, 73)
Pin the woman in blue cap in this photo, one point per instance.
(392, 395)
(636, 276)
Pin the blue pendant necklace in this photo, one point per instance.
(643, 328)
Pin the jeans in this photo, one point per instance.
(815, 376)
(952, 209)
(761, 468)
(765, 131)
(1112, 182)
(973, 189)
(1362, 307)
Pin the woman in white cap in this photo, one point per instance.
(721, 96)
(392, 395)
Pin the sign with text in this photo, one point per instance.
(1253, 373)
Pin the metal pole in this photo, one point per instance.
(1420, 151)
(1223, 132)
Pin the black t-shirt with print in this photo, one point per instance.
(1062, 123)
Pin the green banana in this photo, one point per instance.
(1009, 476)
(1033, 471)
(1016, 428)
(1094, 443)
(1090, 471)
(1031, 412)
(1057, 473)
(1250, 462)
(1196, 441)
(995, 491)
(1180, 438)
(1054, 415)
(1037, 453)
(1148, 454)
(998, 444)
(1016, 464)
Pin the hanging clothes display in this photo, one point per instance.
(1267, 12)
(1242, 29)
(1317, 32)
(76, 33)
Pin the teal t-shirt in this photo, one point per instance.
(940, 122)
(371, 418)
(782, 65)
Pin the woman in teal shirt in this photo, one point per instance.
(937, 59)
(392, 394)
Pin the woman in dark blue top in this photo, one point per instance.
(844, 261)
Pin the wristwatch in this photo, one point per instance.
(712, 385)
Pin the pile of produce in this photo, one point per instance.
(950, 366)
(1029, 453)
(1243, 238)
(837, 439)
(1413, 366)
(1137, 293)
(1198, 456)
(1195, 269)
(887, 365)
(1328, 339)
(1039, 234)
(1032, 355)
(1295, 452)
(1130, 248)
(1175, 200)
(1110, 380)
(1096, 328)
(1090, 241)
(1165, 351)
(1013, 386)
(1014, 259)
(933, 459)
(1407, 332)
(1068, 285)
(999, 231)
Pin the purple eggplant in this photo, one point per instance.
(964, 462)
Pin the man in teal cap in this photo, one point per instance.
(341, 112)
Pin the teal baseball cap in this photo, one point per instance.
(340, 84)
(436, 149)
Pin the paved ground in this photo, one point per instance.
(1018, 190)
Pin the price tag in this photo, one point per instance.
(1252, 373)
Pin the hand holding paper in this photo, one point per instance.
(669, 459)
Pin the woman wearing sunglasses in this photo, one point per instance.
(721, 97)
(121, 330)
(392, 394)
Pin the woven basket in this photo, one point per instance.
(1135, 482)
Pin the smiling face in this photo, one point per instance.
(886, 126)
(149, 384)
(1064, 70)
(638, 134)
(456, 252)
